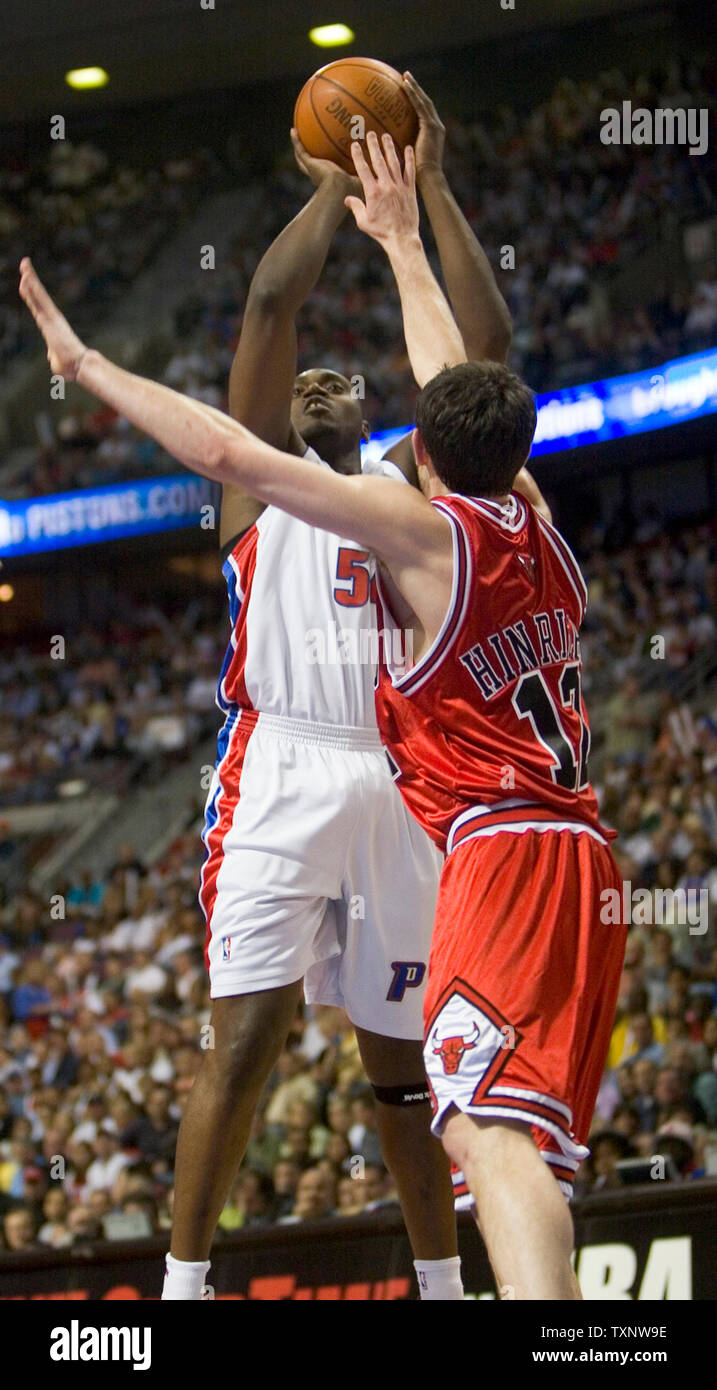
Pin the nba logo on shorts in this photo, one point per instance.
(226, 948)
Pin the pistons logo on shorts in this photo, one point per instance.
(407, 974)
(226, 948)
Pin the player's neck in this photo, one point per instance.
(346, 463)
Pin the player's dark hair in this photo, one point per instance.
(477, 421)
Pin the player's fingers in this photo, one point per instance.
(409, 167)
(355, 206)
(412, 94)
(361, 164)
(27, 292)
(32, 289)
(420, 99)
(376, 153)
(391, 157)
(299, 150)
(425, 108)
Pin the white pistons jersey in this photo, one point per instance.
(314, 868)
(304, 641)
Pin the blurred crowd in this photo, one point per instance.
(90, 224)
(577, 213)
(111, 706)
(103, 1017)
(104, 1008)
(652, 607)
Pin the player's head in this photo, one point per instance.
(327, 413)
(475, 424)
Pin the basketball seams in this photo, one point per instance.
(353, 98)
(350, 97)
(324, 132)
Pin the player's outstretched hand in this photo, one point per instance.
(431, 131)
(390, 211)
(318, 170)
(64, 348)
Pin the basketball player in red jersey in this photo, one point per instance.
(487, 730)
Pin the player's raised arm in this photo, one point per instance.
(395, 521)
(390, 215)
(481, 312)
(526, 484)
(264, 367)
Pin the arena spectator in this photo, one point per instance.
(285, 1180)
(20, 1229)
(315, 1196)
(55, 1230)
(154, 1135)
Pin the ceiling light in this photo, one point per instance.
(84, 78)
(331, 35)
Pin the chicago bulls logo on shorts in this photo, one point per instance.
(451, 1049)
(467, 1045)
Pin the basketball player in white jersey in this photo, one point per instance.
(304, 823)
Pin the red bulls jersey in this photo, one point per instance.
(488, 729)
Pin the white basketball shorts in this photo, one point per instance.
(315, 869)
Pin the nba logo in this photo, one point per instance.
(226, 948)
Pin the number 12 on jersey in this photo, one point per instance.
(534, 701)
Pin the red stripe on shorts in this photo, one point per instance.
(230, 770)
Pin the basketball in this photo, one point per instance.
(329, 103)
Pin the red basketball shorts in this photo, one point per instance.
(522, 986)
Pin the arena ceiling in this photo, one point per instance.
(155, 49)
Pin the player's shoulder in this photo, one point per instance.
(382, 468)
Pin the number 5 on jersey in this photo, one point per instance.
(352, 569)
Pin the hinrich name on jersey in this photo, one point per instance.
(540, 640)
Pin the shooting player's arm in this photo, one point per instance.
(525, 483)
(264, 367)
(481, 312)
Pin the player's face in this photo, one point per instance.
(326, 414)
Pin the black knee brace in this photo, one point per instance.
(417, 1094)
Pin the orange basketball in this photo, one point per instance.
(328, 105)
